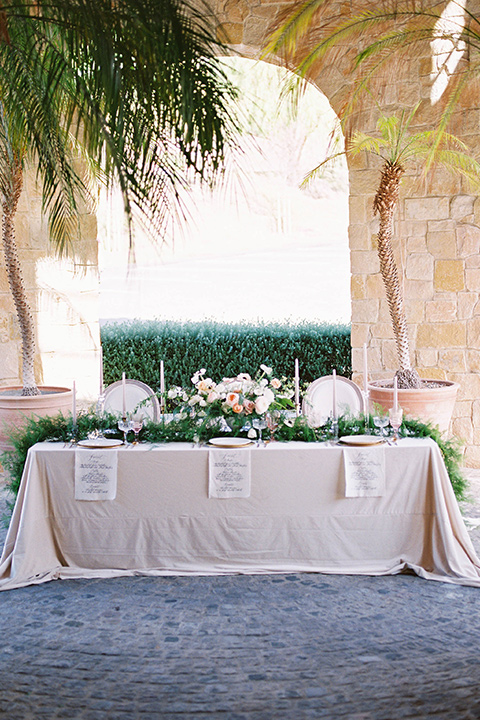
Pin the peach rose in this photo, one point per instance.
(276, 384)
(237, 408)
(249, 406)
(231, 399)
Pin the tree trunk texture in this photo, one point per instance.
(15, 280)
(384, 204)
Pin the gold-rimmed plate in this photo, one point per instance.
(225, 442)
(361, 440)
(99, 443)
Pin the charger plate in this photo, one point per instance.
(99, 443)
(230, 442)
(359, 440)
(317, 404)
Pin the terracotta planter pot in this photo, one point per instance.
(15, 409)
(434, 405)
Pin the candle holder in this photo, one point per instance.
(334, 429)
(73, 436)
(366, 401)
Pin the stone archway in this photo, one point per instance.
(439, 231)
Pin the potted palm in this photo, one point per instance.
(396, 146)
(131, 88)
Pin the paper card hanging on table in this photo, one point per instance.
(364, 472)
(95, 474)
(229, 473)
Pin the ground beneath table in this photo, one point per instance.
(265, 647)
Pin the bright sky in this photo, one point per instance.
(263, 250)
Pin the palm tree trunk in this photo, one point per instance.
(384, 204)
(15, 280)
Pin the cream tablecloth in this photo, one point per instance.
(296, 519)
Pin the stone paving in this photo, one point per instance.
(262, 647)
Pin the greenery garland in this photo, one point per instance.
(60, 429)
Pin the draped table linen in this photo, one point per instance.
(297, 517)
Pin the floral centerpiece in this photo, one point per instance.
(233, 403)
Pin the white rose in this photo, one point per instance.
(261, 404)
(269, 395)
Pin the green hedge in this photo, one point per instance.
(136, 348)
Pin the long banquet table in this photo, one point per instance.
(297, 518)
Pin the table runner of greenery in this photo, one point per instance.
(60, 429)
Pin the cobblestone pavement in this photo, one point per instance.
(243, 647)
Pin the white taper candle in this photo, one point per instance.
(124, 396)
(297, 388)
(74, 403)
(334, 390)
(365, 369)
(101, 370)
(162, 386)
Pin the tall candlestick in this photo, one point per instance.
(101, 370)
(395, 393)
(124, 396)
(365, 369)
(74, 403)
(297, 388)
(334, 390)
(162, 386)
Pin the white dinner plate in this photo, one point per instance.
(317, 404)
(361, 440)
(230, 442)
(135, 393)
(99, 443)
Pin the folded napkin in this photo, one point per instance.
(229, 473)
(364, 471)
(95, 474)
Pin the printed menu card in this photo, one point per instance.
(95, 474)
(229, 473)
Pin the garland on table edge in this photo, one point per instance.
(60, 429)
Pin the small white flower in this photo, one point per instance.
(266, 370)
(202, 403)
(252, 434)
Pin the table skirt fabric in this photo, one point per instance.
(297, 518)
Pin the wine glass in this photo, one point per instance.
(395, 421)
(125, 425)
(273, 419)
(137, 424)
(381, 420)
(259, 424)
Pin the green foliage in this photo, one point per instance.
(136, 348)
(183, 429)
